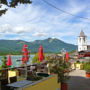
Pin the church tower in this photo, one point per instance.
(82, 41)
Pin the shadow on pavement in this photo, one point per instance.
(78, 83)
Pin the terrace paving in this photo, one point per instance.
(78, 81)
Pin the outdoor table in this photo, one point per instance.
(20, 84)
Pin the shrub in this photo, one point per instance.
(59, 67)
(78, 62)
(36, 58)
(87, 67)
(4, 63)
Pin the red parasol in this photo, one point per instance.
(9, 63)
(25, 45)
(41, 57)
(67, 57)
(25, 57)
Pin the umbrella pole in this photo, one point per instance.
(26, 70)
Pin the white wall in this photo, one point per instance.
(82, 43)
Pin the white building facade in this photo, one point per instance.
(82, 42)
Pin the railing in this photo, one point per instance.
(20, 71)
(10, 75)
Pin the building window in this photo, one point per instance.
(80, 39)
(84, 40)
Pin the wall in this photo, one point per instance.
(47, 84)
(82, 43)
(79, 66)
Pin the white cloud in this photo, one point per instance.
(30, 22)
(39, 34)
(75, 7)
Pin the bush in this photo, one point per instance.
(59, 67)
(36, 58)
(78, 62)
(87, 67)
(4, 63)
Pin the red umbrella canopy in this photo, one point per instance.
(25, 56)
(9, 63)
(41, 57)
(67, 56)
(25, 45)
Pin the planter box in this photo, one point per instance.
(64, 86)
(88, 75)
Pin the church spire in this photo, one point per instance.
(82, 41)
(82, 34)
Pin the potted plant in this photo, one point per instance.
(87, 69)
(59, 67)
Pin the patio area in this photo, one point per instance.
(35, 72)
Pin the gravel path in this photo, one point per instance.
(78, 81)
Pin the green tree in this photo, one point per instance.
(4, 63)
(60, 68)
(73, 51)
(12, 4)
(36, 58)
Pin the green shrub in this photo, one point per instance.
(36, 58)
(59, 67)
(87, 67)
(4, 63)
(78, 62)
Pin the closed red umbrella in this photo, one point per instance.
(41, 57)
(9, 63)
(24, 49)
(67, 57)
(25, 45)
(22, 58)
(25, 57)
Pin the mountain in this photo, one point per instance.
(49, 45)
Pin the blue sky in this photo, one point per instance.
(40, 21)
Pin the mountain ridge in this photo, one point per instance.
(49, 45)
